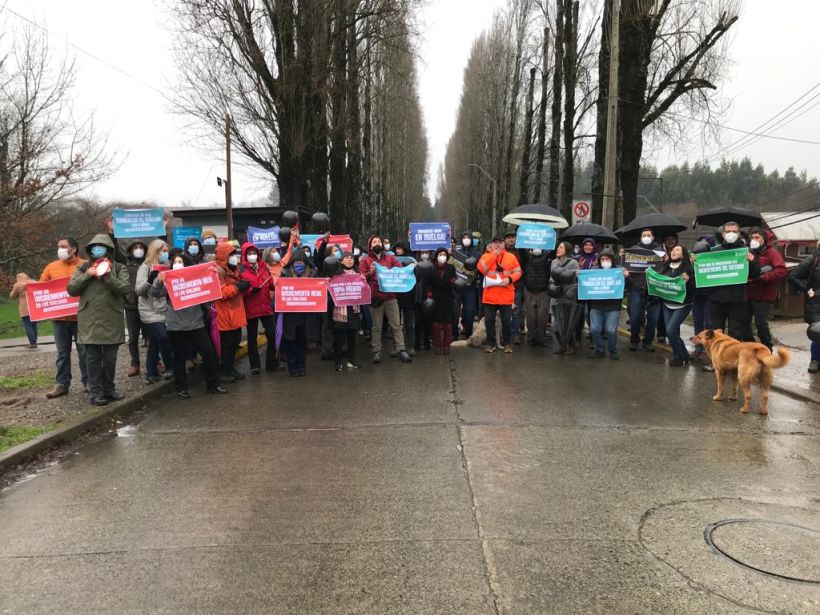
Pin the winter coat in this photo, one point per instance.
(186, 319)
(441, 290)
(569, 292)
(685, 267)
(19, 291)
(537, 273)
(368, 270)
(354, 318)
(733, 293)
(764, 287)
(200, 257)
(152, 309)
(133, 265)
(475, 253)
(230, 310)
(100, 314)
(293, 321)
(804, 277)
(61, 269)
(504, 265)
(258, 296)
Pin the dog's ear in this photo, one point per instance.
(719, 331)
(710, 334)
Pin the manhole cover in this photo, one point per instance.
(777, 549)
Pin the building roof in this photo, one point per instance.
(793, 226)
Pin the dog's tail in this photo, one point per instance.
(775, 361)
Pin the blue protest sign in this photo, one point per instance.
(136, 223)
(429, 235)
(595, 284)
(264, 237)
(309, 241)
(397, 279)
(184, 233)
(532, 236)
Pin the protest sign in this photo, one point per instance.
(349, 290)
(181, 234)
(136, 223)
(722, 268)
(264, 237)
(597, 284)
(637, 260)
(397, 279)
(669, 289)
(301, 295)
(192, 285)
(345, 242)
(532, 236)
(50, 300)
(310, 241)
(429, 235)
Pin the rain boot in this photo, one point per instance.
(447, 335)
(437, 337)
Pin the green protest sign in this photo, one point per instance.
(668, 289)
(721, 268)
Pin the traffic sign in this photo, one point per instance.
(581, 212)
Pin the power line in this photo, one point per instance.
(771, 228)
(746, 132)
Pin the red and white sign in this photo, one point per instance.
(50, 299)
(581, 212)
(193, 285)
(301, 295)
(349, 289)
(345, 242)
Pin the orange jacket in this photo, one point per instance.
(503, 265)
(230, 310)
(61, 269)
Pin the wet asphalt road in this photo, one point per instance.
(479, 484)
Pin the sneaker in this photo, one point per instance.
(507, 349)
(814, 367)
(115, 396)
(338, 366)
(99, 401)
(183, 394)
(405, 357)
(411, 352)
(58, 391)
(152, 379)
(708, 368)
(237, 375)
(377, 357)
(217, 390)
(353, 365)
(489, 348)
(190, 366)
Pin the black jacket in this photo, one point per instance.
(537, 272)
(803, 277)
(441, 287)
(685, 267)
(733, 293)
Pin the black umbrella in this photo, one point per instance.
(536, 212)
(660, 224)
(722, 215)
(582, 230)
(565, 319)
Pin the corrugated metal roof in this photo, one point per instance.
(791, 226)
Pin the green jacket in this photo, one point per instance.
(102, 300)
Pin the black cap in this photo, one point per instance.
(498, 238)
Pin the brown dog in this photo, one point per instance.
(746, 362)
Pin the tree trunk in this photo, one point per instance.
(570, 79)
(353, 214)
(337, 115)
(557, 85)
(601, 117)
(520, 34)
(525, 156)
(367, 149)
(542, 117)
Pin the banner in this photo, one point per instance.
(50, 300)
(301, 295)
(397, 279)
(194, 285)
(429, 235)
(721, 268)
(668, 289)
(637, 260)
(264, 237)
(598, 284)
(310, 241)
(347, 289)
(181, 234)
(345, 242)
(533, 236)
(137, 223)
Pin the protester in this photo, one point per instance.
(407, 301)
(441, 292)
(467, 300)
(700, 300)
(762, 290)
(152, 312)
(641, 303)
(18, 290)
(806, 278)
(258, 308)
(605, 314)
(424, 318)
(295, 324)
(517, 320)
(65, 329)
(345, 321)
(133, 322)
(566, 311)
(101, 287)
(230, 310)
(587, 259)
(678, 264)
(536, 299)
(382, 304)
(501, 271)
(193, 248)
(670, 240)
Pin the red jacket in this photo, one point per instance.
(257, 302)
(764, 288)
(230, 310)
(367, 269)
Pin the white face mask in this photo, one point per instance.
(730, 237)
(754, 244)
(606, 264)
(178, 266)
(466, 242)
(62, 253)
(138, 253)
(252, 258)
(356, 252)
(233, 260)
(442, 258)
(646, 240)
(386, 247)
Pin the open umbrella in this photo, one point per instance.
(536, 212)
(722, 215)
(661, 224)
(582, 230)
(565, 319)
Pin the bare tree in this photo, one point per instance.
(542, 115)
(557, 85)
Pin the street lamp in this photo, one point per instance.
(495, 192)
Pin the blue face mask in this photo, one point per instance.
(299, 268)
(475, 243)
(163, 257)
(193, 249)
(98, 251)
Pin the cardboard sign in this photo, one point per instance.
(50, 299)
(137, 223)
(429, 235)
(264, 237)
(301, 295)
(397, 279)
(598, 284)
(345, 242)
(193, 285)
(181, 234)
(721, 268)
(347, 289)
(533, 236)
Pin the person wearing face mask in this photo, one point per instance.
(152, 312)
(382, 304)
(345, 321)
(762, 290)
(295, 324)
(230, 309)
(408, 301)
(258, 307)
(641, 303)
(209, 241)
(501, 270)
(605, 314)
(65, 329)
(466, 301)
(805, 278)
(18, 291)
(388, 246)
(679, 264)
(424, 318)
(441, 292)
(536, 299)
(566, 312)
(101, 286)
(136, 255)
(193, 248)
(517, 322)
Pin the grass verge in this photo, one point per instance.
(31, 381)
(12, 436)
(10, 324)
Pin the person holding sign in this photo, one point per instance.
(501, 271)
(605, 314)
(345, 320)
(152, 311)
(258, 307)
(675, 310)
(101, 287)
(295, 324)
(19, 291)
(640, 302)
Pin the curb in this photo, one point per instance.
(82, 424)
(775, 387)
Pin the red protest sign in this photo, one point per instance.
(192, 285)
(301, 295)
(159, 268)
(349, 289)
(345, 242)
(50, 300)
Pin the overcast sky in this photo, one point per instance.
(776, 59)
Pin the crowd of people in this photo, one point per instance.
(532, 294)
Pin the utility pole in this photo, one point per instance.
(228, 182)
(611, 165)
(495, 193)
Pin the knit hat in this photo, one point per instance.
(208, 233)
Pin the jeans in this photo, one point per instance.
(134, 325)
(296, 351)
(517, 313)
(538, 311)
(702, 315)
(738, 317)
(200, 339)
(31, 329)
(760, 312)
(64, 333)
(102, 366)
(253, 349)
(391, 309)
(637, 304)
(229, 342)
(815, 351)
(158, 344)
(601, 322)
(490, 310)
(467, 304)
(367, 319)
(673, 320)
